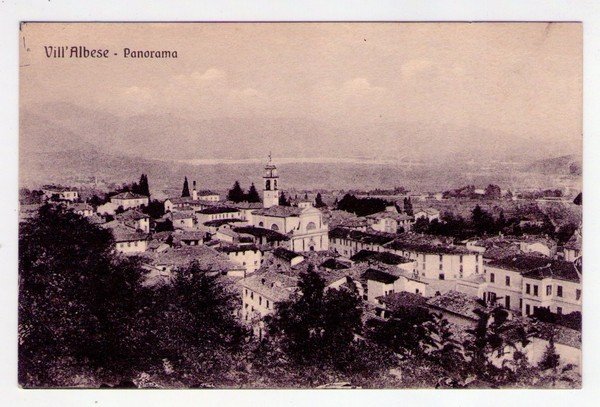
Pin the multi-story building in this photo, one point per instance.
(249, 256)
(524, 283)
(128, 200)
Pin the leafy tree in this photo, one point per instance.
(186, 189)
(236, 194)
(421, 225)
(252, 195)
(155, 209)
(493, 192)
(404, 332)
(361, 206)
(408, 208)
(441, 346)
(164, 226)
(283, 201)
(317, 326)
(483, 221)
(96, 201)
(319, 201)
(76, 301)
(142, 187)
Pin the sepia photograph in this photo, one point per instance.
(300, 205)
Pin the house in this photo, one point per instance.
(526, 282)
(82, 209)
(348, 242)
(188, 238)
(134, 219)
(261, 292)
(58, 193)
(212, 213)
(230, 236)
(381, 283)
(437, 261)
(390, 221)
(249, 256)
(246, 209)
(287, 257)
(373, 257)
(183, 220)
(458, 308)
(391, 303)
(572, 249)
(428, 213)
(207, 259)
(128, 200)
(129, 240)
(474, 285)
(536, 244)
(335, 264)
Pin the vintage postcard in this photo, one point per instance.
(300, 205)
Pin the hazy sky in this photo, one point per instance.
(506, 78)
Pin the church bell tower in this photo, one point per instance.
(270, 185)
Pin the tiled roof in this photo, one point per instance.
(208, 259)
(81, 207)
(561, 334)
(496, 253)
(457, 303)
(286, 254)
(217, 209)
(399, 244)
(394, 301)
(271, 235)
(392, 215)
(557, 269)
(131, 214)
(279, 211)
(429, 211)
(238, 249)
(220, 222)
(128, 195)
(379, 276)
(335, 264)
(189, 235)
(127, 234)
(364, 237)
(383, 257)
(274, 286)
(182, 215)
(246, 205)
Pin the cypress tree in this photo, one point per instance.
(186, 188)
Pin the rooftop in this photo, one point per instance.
(217, 209)
(128, 195)
(364, 237)
(279, 211)
(383, 257)
(394, 301)
(131, 214)
(274, 286)
(457, 303)
(575, 241)
(220, 222)
(207, 258)
(432, 248)
(335, 264)
(238, 249)
(379, 276)
(271, 235)
(126, 234)
(286, 254)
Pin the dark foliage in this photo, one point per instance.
(319, 201)
(283, 200)
(362, 206)
(155, 209)
(236, 194)
(318, 326)
(252, 195)
(185, 192)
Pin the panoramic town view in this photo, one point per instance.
(332, 206)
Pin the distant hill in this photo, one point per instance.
(564, 165)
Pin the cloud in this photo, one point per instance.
(414, 67)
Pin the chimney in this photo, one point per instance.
(194, 192)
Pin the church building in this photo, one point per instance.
(303, 224)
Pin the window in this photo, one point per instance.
(548, 290)
(442, 277)
(559, 290)
(535, 290)
(577, 294)
(261, 224)
(507, 280)
(507, 302)
(252, 294)
(527, 309)
(259, 300)
(461, 258)
(311, 226)
(267, 304)
(476, 269)
(274, 227)
(441, 257)
(559, 310)
(440, 266)
(492, 278)
(527, 288)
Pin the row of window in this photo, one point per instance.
(528, 288)
(260, 299)
(128, 244)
